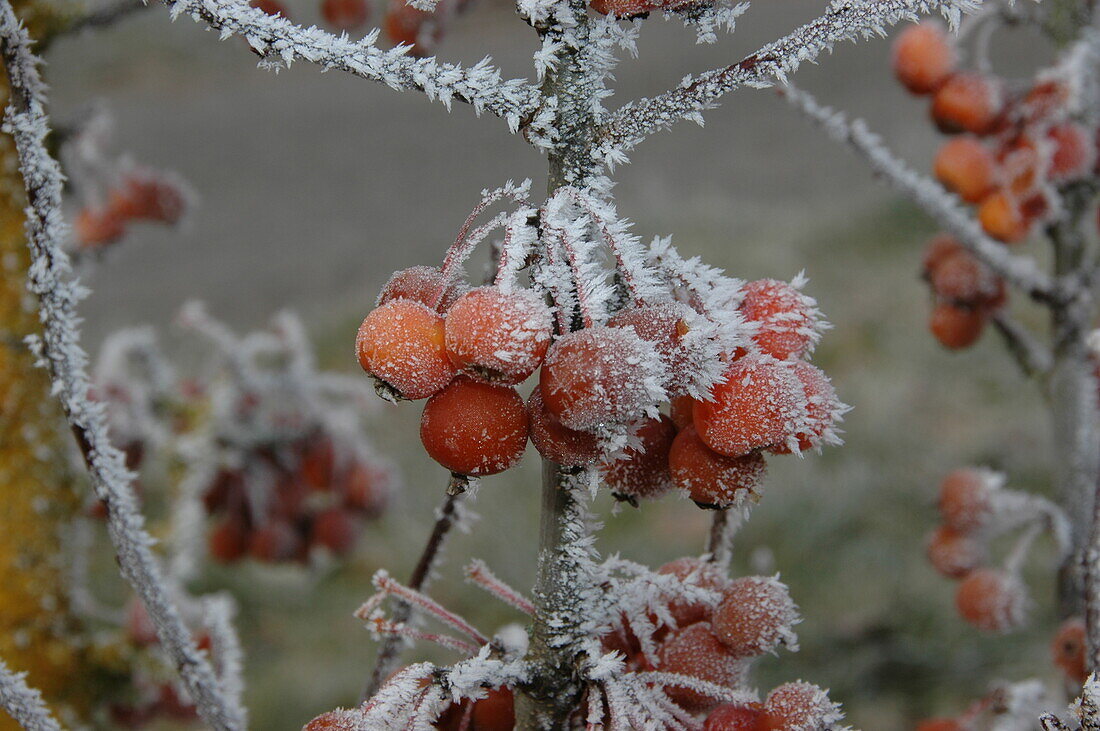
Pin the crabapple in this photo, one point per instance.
(599, 375)
(733, 717)
(710, 478)
(269, 7)
(940, 724)
(496, 712)
(787, 320)
(411, 26)
(318, 463)
(938, 250)
(799, 706)
(967, 167)
(557, 442)
(967, 102)
(664, 325)
(475, 428)
(364, 488)
(760, 404)
(966, 498)
(94, 227)
(1002, 218)
(700, 573)
(823, 408)
(624, 9)
(754, 616)
(961, 279)
(957, 327)
(334, 529)
(345, 14)
(274, 542)
(1068, 650)
(644, 472)
(923, 57)
(1020, 164)
(992, 600)
(953, 553)
(695, 651)
(1044, 100)
(228, 541)
(338, 720)
(1074, 152)
(421, 284)
(498, 336)
(401, 343)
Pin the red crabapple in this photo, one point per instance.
(732, 717)
(228, 541)
(823, 408)
(421, 284)
(1074, 152)
(961, 279)
(145, 196)
(664, 325)
(411, 26)
(953, 553)
(94, 227)
(496, 712)
(967, 167)
(345, 14)
(335, 529)
(401, 343)
(938, 250)
(695, 651)
(940, 724)
(680, 409)
(799, 707)
(754, 616)
(966, 498)
(1045, 100)
(1002, 218)
(274, 542)
(644, 472)
(760, 404)
(957, 327)
(475, 428)
(1020, 163)
(498, 336)
(967, 102)
(338, 720)
(624, 9)
(269, 7)
(599, 375)
(787, 320)
(318, 463)
(364, 488)
(698, 572)
(992, 600)
(712, 479)
(1068, 650)
(923, 57)
(557, 442)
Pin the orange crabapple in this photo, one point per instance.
(1021, 164)
(643, 472)
(967, 167)
(733, 717)
(701, 573)
(823, 408)
(335, 529)
(923, 57)
(624, 9)
(411, 26)
(680, 410)
(712, 479)
(495, 712)
(754, 616)
(338, 720)
(954, 553)
(144, 196)
(1044, 100)
(992, 600)
(966, 498)
(957, 327)
(938, 249)
(474, 428)
(798, 706)
(967, 102)
(960, 278)
(599, 375)
(1073, 153)
(664, 325)
(940, 724)
(760, 404)
(421, 284)
(345, 14)
(557, 442)
(401, 343)
(498, 336)
(1067, 650)
(269, 7)
(787, 320)
(94, 227)
(697, 652)
(1002, 217)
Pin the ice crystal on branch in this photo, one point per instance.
(24, 704)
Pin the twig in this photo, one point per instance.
(23, 703)
(719, 542)
(59, 351)
(1032, 356)
(99, 18)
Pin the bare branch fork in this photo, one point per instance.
(60, 353)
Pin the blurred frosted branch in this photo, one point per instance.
(1033, 358)
(23, 703)
(59, 351)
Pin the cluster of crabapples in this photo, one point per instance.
(138, 195)
(467, 350)
(1009, 153)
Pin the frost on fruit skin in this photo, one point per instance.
(600, 376)
(401, 343)
(761, 404)
(712, 479)
(1067, 649)
(967, 497)
(557, 442)
(695, 571)
(421, 284)
(756, 615)
(497, 336)
(682, 337)
(475, 428)
(697, 652)
(824, 412)
(642, 471)
(788, 321)
(341, 719)
(993, 600)
(23, 703)
(800, 706)
(953, 553)
(923, 57)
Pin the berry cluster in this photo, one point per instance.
(1005, 706)
(729, 356)
(965, 291)
(140, 195)
(976, 508)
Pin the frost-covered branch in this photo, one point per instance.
(23, 703)
(929, 195)
(59, 351)
(282, 42)
(1032, 356)
(845, 20)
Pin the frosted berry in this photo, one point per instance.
(274, 542)
(799, 707)
(759, 405)
(1074, 152)
(624, 9)
(953, 553)
(1002, 218)
(599, 375)
(787, 320)
(269, 7)
(496, 712)
(957, 327)
(228, 541)
(1020, 164)
(475, 428)
(401, 344)
(557, 442)
(421, 284)
(700, 573)
(755, 615)
(938, 250)
(665, 326)
(364, 488)
(338, 720)
(1067, 650)
(318, 463)
(94, 227)
(967, 167)
(644, 472)
(498, 336)
(940, 724)
(961, 279)
(334, 529)
(992, 600)
(1045, 100)
(923, 57)
(410, 26)
(696, 652)
(733, 717)
(712, 479)
(967, 102)
(966, 498)
(144, 196)
(345, 14)
(823, 409)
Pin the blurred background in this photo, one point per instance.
(313, 188)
